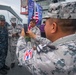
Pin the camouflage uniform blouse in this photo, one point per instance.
(36, 31)
(12, 30)
(57, 58)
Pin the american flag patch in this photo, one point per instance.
(28, 54)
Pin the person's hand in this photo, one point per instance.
(34, 48)
(17, 34)
(22, 32)
(31, 34)
(13, 35)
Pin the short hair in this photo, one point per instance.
(66, 25)
(33, 20)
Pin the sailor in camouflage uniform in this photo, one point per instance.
(59, 56)
(14, 31)
(34, 29)
(29, 41)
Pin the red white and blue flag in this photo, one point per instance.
(34, 12)
(28, 54)
(38, 14)
(36, 17)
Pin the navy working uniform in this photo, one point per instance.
(3, 44)
(57, 58)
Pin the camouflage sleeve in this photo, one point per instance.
(36, 65)
(42, 40)
(42, 65)
(9, 31)
(21, 45)
(39, 39)
(19, 28)
(38, 32)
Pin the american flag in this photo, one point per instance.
(38, 14)
(28, 54)
(34, 13)
(36, 17)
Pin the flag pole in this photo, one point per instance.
(34, 8)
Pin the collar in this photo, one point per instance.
(64, 39)
(33, 27)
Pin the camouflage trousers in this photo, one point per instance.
(13, 53)
(3, 55)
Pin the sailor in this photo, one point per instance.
(3, 45)
(34, 29)
(59, 56)
(14, 32)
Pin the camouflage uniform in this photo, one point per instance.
(59, 57)
(3, 45)
(36, 31)
(13, 40)
(31, 43)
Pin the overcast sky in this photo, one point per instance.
(15, 5)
